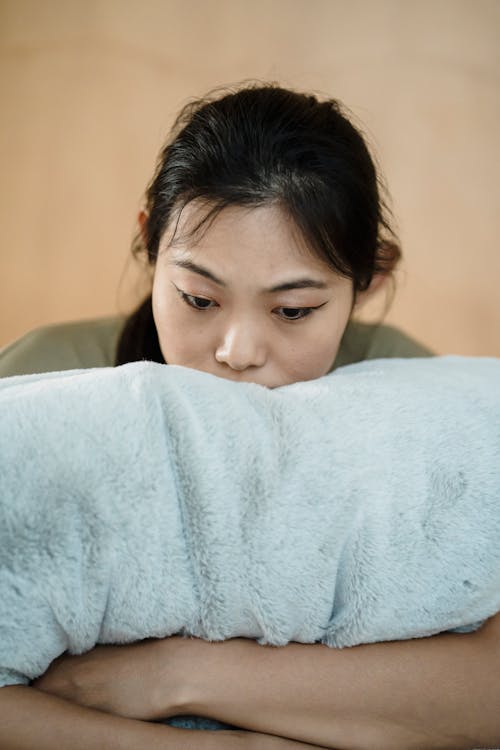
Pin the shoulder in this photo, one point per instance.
(375, 341)
(66, 346)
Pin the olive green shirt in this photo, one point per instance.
(93, 343)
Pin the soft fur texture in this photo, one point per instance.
(148, 500)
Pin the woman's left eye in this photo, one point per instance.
(294, 313)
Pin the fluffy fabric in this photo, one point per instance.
(149, 500)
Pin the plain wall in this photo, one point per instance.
(90, 88)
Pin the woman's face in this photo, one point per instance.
(246, 301)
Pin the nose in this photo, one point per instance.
(242, 346)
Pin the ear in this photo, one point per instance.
(142, 220)
(378, 282)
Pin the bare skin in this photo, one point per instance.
(247, 300)
(439, 692)
(32, 719)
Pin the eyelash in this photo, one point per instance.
(189, 299)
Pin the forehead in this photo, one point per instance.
(264, 237)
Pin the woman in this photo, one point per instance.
(264, 229)
(306, 173)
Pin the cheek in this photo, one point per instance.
(182, 340)
(162, 309)
(314, 355)
(312, 361)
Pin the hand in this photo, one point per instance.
(133, 681)
(122, 680)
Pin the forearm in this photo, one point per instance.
(31, 719)
(440, 692)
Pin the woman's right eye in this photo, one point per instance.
(198, 303)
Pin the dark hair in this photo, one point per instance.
(261, 145)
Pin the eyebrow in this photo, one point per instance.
(302, 283)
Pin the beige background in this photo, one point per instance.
(89, 89)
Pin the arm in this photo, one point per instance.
(31, 718)
(439, 692)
